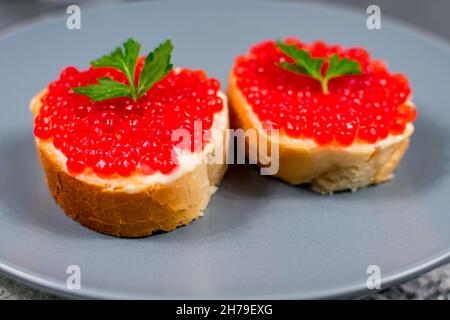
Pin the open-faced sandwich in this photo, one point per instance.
(344, 120)
(105, 139)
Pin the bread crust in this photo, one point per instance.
(326, 168)
(156, 207)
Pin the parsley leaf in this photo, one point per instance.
(156, 66)
(341, 66)
(106, 88)
(305, 64)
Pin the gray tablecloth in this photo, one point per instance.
(428, 15)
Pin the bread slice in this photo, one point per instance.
(327, 168)
(139, 205)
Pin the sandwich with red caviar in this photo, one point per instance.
(344, 120)
(105, 140)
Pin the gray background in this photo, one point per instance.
(427, 15)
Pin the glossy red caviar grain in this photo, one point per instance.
(365, 107)
(119, 136)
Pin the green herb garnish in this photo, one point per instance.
(305, 64)
(156, 66)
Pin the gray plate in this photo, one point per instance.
(260, 238)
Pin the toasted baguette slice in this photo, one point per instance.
(139, 205)
(327, 168)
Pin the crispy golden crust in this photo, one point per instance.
(327, 169)
(161, 207)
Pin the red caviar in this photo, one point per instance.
(366, 107)
(120, 136)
